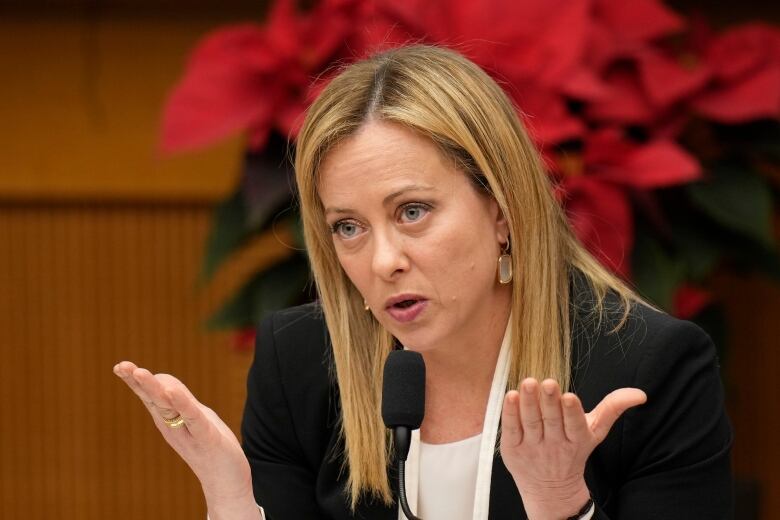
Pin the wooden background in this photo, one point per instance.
(100, 243)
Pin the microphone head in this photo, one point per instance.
(403, 389)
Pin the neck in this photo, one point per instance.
(459, 376)
(470, 360)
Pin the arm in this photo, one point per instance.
(200, 437)
(282, 479)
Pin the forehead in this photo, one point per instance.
(382, 156)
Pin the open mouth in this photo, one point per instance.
(404, 304)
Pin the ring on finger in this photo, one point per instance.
(175, 422)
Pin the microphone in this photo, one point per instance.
(403, 408)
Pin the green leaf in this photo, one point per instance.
(738, 199)
(656, 274)
(296, 226)
(228, 232)
(265, 188)
(280, 286)
(696, 249)
(267, 184)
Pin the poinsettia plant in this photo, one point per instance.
(661, 135)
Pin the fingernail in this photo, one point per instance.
(548, 389)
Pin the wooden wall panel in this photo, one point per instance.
(82, 103)
(753, 393)
(83, 286)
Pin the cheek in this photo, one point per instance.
(464, 262)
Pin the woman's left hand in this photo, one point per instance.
(546, 439)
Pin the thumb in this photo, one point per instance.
(604, 415)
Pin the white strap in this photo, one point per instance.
(490, 429)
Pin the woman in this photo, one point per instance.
(430, 226)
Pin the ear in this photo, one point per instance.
(500, 222)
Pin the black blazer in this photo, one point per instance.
(668, 459)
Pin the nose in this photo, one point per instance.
(389, 255)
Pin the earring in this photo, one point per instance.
(365, 305)
(505, 265)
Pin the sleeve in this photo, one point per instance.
(676, 447)
(283, 483)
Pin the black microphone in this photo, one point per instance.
(403, 408)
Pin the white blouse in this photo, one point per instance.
(449, 472)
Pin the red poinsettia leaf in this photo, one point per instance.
(419, 17)
(665, 81)
(743, 50)
(655, 165)
(605, 146)
(690, 300)
(626, 103)
(584, 84)
(600, 215)
(755, 97)
(222, 92)
(243, 340)
(558, 46)
(497, 23)
(638, 20)
(376, 33)
(545, 115)
(320, 46)
(230, 45)
(282, 29)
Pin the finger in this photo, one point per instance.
(611, 407)
(153, 387)
(190, 410)
(575, 424)
(550, 403)
(530, 412)
(511, 429)
(124, 370)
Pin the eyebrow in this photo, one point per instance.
(389, 198)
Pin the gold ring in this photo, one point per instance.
(176, 422)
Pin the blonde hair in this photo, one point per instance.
(450, 100)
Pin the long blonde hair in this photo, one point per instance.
(448, 99)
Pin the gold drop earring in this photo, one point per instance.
(505, 265)
(365, 305)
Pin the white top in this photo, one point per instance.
(449, 472)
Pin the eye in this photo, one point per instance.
(346, 229)
(414, 211)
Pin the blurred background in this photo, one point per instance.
(126, 232)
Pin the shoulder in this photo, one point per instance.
(290, 389)
(650, 343)
(680, 437)
(296, 341)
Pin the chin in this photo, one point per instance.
(421, 340)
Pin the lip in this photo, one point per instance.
(409, 313)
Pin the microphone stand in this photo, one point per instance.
(402, 437)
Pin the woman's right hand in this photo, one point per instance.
(204, 441)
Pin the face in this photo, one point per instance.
(413, 234)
